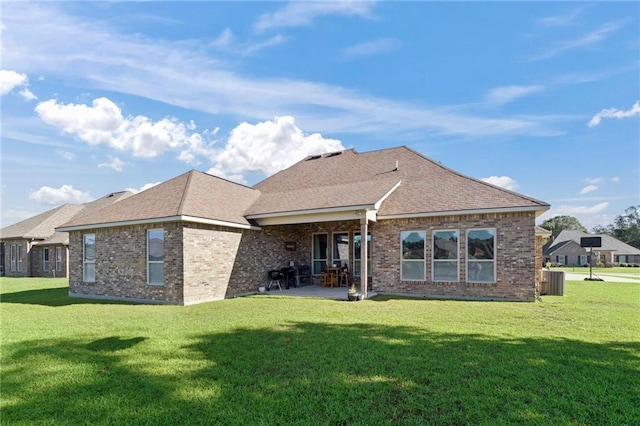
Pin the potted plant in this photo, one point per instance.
(352, 293)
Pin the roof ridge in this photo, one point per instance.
(186, 189)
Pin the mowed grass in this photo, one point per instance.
(281, 360)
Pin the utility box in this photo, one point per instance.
(552, 283)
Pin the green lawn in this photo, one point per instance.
(280, 360)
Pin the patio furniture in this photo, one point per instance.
(344, 277)
(329, 277)
(289, 276)
(275, 276)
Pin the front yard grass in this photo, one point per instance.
(281, 360)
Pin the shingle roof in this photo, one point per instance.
(42, 226)
(427, 187)
(609, 243)
(193, 194)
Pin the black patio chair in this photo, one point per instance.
(275, 276)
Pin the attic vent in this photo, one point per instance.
(333, 154)
(110, 195)
(314, 157)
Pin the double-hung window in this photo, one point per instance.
(444, 255)
(19, 258)
(58, 258)
(155, 256)
(89, 258)
(412, 266)
(481, 255)
(14, 256)
(45, 259)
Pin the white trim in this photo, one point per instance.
(434, 260)
(84, 258)
(384, 197)
(179, 218)
(463, 212)
(312, 218)
(424, 255)
(306, 212)
(494, 260)
(155, 262)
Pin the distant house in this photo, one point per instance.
(401, 223)
(33, 248)
(565, 250)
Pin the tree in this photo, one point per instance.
(560, 223)
(625, 227)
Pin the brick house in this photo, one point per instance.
(565, 250)
(33, 247)
(430, 232)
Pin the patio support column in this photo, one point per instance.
(364, 267)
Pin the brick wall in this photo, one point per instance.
(121, 264)
(37, 262)
(26, 247)
(515, 257)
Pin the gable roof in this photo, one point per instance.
(426, 187)
(609, 243)
(43, 226)
(193, 196)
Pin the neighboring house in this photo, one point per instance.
(565, 250)
(33, 248)
(402, 223)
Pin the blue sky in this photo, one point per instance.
(539, 97)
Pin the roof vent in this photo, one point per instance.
(314, 157)
(333, 154)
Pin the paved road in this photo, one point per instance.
(620, 278)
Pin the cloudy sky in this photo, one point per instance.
(538, 97)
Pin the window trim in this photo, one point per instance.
(469, 259)
(45, 259)
(155, 262)
(424, 256)
(58, 258)
(434, 260)
(13, 257)
(87, 262)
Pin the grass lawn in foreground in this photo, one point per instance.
(271, 359)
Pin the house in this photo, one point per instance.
(33, 248)
(401, 223)
(565, 249)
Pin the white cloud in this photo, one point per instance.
(593, 181)
(9, 80)
(370, 48)
(62, 195)
(69, 156)
(114, 163)
(102, 123)
(268, 147)
(615, 113)
(588, 39)
(296, 14)
(184, 74)
(143, 187)
(587, 189)
(28, 95)
(506, 94)
(615, 179)
(565, 20)
(588, 216)
(502, 181)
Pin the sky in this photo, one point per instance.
(542, 98)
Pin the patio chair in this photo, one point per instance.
(275, 277)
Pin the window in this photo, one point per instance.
(13, 257)
(89, 258)
(561, 259)
(583, 259)
(320, 253)
(58, 258)
(357, 251)
(155, 256)
(622, 258)
(45, 259)
(19, 258)
(341, 249)
(481, 262)
(445, 257)
(412, 266)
